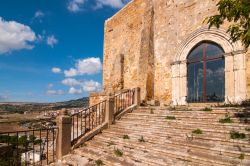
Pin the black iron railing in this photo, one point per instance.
(123, 100)
(29, 147)
(86, 120)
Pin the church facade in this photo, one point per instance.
(165, 48)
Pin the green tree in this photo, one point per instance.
(237, 12)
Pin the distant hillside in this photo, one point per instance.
(82, 102)
(23, 107)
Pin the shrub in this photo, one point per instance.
(226, 120)
(141, 139)
(170, 118)
(247, 128)
(111, 143)
(237, 135)
(126, 137)
(197, 131)
(99, 162)
(207, 109)
(118, 152)
(242, 156)
(172, 109)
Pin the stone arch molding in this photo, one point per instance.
(235, 68)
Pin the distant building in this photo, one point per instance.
(31, 156)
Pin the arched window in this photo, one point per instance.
(206, 76)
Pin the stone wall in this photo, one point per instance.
(128, 49)
(142, 40)
(95, 98)
(174, 22)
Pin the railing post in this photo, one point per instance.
(137, 96)
(110, 106)
(63, 142)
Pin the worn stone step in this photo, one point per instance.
(182, 152)
(74, 160)
(118, 129)
(170, 123)
(192, 116)
(195, 139)
(138, 155)
(148, 153)
(238, 113)
(99, 153)
(138, 116)
(185, 108)
(186, 144)
(126, 159)
(188, 129)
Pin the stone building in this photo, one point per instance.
(165, 48)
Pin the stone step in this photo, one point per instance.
(181, 152)
(164, 120)
(173, 124)
(138, 116)
(213, 112)
(222, 134)
(209, 147)
(143, 152)
(106, 154)
(99, 153)
(121, 130)
(138, 155)
(193, 113)
(185, 108)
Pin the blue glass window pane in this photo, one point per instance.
(208, 86)
(214, 50)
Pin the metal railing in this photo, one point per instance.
(29, 147)
(123, 100)
(87, 120)
(90, 118)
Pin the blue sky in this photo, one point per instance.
(51, 50)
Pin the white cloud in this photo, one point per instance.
(110, 3)
(85, 66)
(89, 66)
(70, 82)
(56, 70)
(55, 92)
(75, 91)
(39, 14)
(91, 86)
(51, 41)
(15, 36)
(75, 5)
(70, 73)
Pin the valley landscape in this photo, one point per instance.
(20, 116)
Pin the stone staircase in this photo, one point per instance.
(164, 136)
